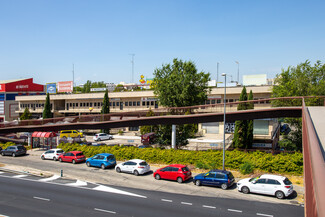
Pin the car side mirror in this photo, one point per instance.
(254, 182)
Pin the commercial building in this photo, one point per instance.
(9, 89)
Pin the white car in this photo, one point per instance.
(52, 154)
(135, 166)
(102, 136)
(275, 185)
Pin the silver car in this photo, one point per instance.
(102, 136)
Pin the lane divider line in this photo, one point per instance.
(103, 210)
(50, 178)
(261, 214)
(20, 176)
(210, 207)
(185, 203)
(116, 191)
(78, 183)
(40, 198)
(1, 172)
(165, 200)
(234, 210)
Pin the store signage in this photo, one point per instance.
(97, 89)
(230, 128)
(51, 88)
(65, 86)
(262, 145)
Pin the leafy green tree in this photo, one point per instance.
(26, 115)
(303, 80)
(250, 123)
(105, 108)
(47, 108)
(179, 85)
(241, 127)
(88, 85)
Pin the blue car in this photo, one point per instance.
(220, 178)
(102, 160)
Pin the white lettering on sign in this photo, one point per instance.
(0, 87)
(21, 86)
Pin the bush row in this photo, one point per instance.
(5, 145)
(288, 163)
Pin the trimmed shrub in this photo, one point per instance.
(246, 168)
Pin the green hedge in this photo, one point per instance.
(5, 145)
(288, 163)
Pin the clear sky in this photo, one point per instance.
(43, 38)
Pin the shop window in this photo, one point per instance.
(113, 104)
(207, 102)
(130, 103)
(152, 103)
(134, 103)
(143, 103)
(117, 103)
(138, 103)
(218, 100)
(126, 103)
(95, 104)
(213, 101)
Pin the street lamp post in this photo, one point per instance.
(237, 72)
(224, 124)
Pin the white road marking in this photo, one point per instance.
(49, 179)
(165, 200)
(234, 210)
(185, 203)
(116, 191)
(4, 215)
(78, 183)
(20, 176)
(1, 172)
(40, 198)
(261, 214)
(211, 207)
(103, 210)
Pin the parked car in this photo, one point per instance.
(71, 134)
(52, 154)
(97, 144)
(102, 160)
(220, 178)
(144, 146)
(135, 166)
(275, 185)
(177, 172)
(102, 136)
(14, 150)
(72, 156)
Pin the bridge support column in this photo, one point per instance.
(174, 136)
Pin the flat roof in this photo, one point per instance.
(317, 116)
(10, 81)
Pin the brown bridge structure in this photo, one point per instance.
(313, 128)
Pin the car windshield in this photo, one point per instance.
(185, 169)
(286, 181)
(230, 175)
(79, 154)
(143, 163)
(111, 157)
(20, 147)
(252, 179)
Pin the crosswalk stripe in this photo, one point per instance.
(78, 183)
(20, 176)
(50, 178)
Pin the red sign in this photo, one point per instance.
(65, 86)
(24, 85)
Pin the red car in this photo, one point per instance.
(177, 172)
(73, 156)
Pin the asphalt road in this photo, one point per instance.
(145, 182)
(28, 196)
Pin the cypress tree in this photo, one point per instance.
(105, 108)
(240, 135)
(250, 123)
(47, 108)
(26, 115)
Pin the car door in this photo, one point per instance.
(219, 179)
(126, 167)
(173, 174)
(132, 166)
(164, 172)
(50, 154)
(259, 186)
(46, 154)
(94, 161)
(209, 178)
(272, 186)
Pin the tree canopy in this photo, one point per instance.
(180, 84)
(47, 108)
(26, 115)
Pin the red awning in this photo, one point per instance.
(44, 134)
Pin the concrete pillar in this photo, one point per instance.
(174, 136)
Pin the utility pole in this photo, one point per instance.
(72, 77)
(132, 61)
(217, 73)
(237, 71)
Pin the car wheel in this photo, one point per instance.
(103, 166)
(88, 164)
(3, 154)
(118, 169)
(279, 194)
(224, 186)
(43, 158)
(245, 190)
(98, 139)
(60, 159)
(64, 137)
(73, 161)
(197, 182)
(54, 158)
(157, 176)
(179, 180)
(136, 173)
(13, 154)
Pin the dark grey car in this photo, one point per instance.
(14, 150)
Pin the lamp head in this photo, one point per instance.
(223, 74)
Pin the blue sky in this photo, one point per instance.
(43, 38)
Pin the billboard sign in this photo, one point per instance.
(51, 88)
(97, 89)
(65, 86)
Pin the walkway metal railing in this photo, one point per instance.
(314, 168)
